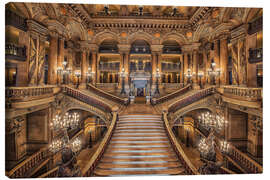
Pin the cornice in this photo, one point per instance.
(35, 27)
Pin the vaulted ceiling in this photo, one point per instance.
(85, 21)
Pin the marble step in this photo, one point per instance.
(140, 144)
(139, 131)
(142, 165)
(107, 172)
(142, 159)
(139, 135)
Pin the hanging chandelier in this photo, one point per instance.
(69, 120)
(212, 121)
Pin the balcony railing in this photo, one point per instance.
(189, 167)
(15, 20)
(171, 96)
(169, 67)
(86, 98)
(107, 95)
(15, 52)
(92, 164)
(109, 67)
(191, 99)
(244, 92)
(24, 93)
(29, 164)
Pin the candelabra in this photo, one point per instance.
(157, 75)
(78, 75)
(59, 73)
(89, 75)
(213, 73)
(123, 75)
(200, 74)
(63, 123)
(189, 75)
(66, 72)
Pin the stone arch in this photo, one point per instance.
(140, 35)
(179, 38)
(105, 35)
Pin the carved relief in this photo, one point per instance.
(242, 63)
(41, 63)
(235, 77)
(32, 61)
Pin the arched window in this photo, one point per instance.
(108, 46)
(140, 47)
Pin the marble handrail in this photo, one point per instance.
(89, 168)
(86, 98)
(107, 95)
(171, 95)
(51, 173)
(248, 92)
(31, 162)
(20, 93)
(189, 167)
(191, 99)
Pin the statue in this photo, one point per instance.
(69, 167)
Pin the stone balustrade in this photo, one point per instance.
(52, 173)
(29, 164)
(170, 96)
(189, 167)
(24, 93)
(245, 92)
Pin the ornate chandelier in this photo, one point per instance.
(68, 120)
(212, 121)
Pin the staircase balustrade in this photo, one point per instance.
(245, 162)
(89, 168)
(107, 95)
(171, 96)
(86, 98)
(31, 162)
(191, 99)
(189, 167)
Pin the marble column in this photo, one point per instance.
(223, 60)
(195, 66)
(126, 66)
(185, 66)
(181, 73)
(94, 67)
(154, 66)
(83, 67)
(60, 57)
(205, 67)
(120, 69)
(52, 62)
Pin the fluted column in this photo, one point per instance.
(52, 62)
(205, 67)
(60, 57)
(181, 74)
(223, 60)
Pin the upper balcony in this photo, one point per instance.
(15, 20)
(15, 52)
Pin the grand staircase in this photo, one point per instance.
(139, 146)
